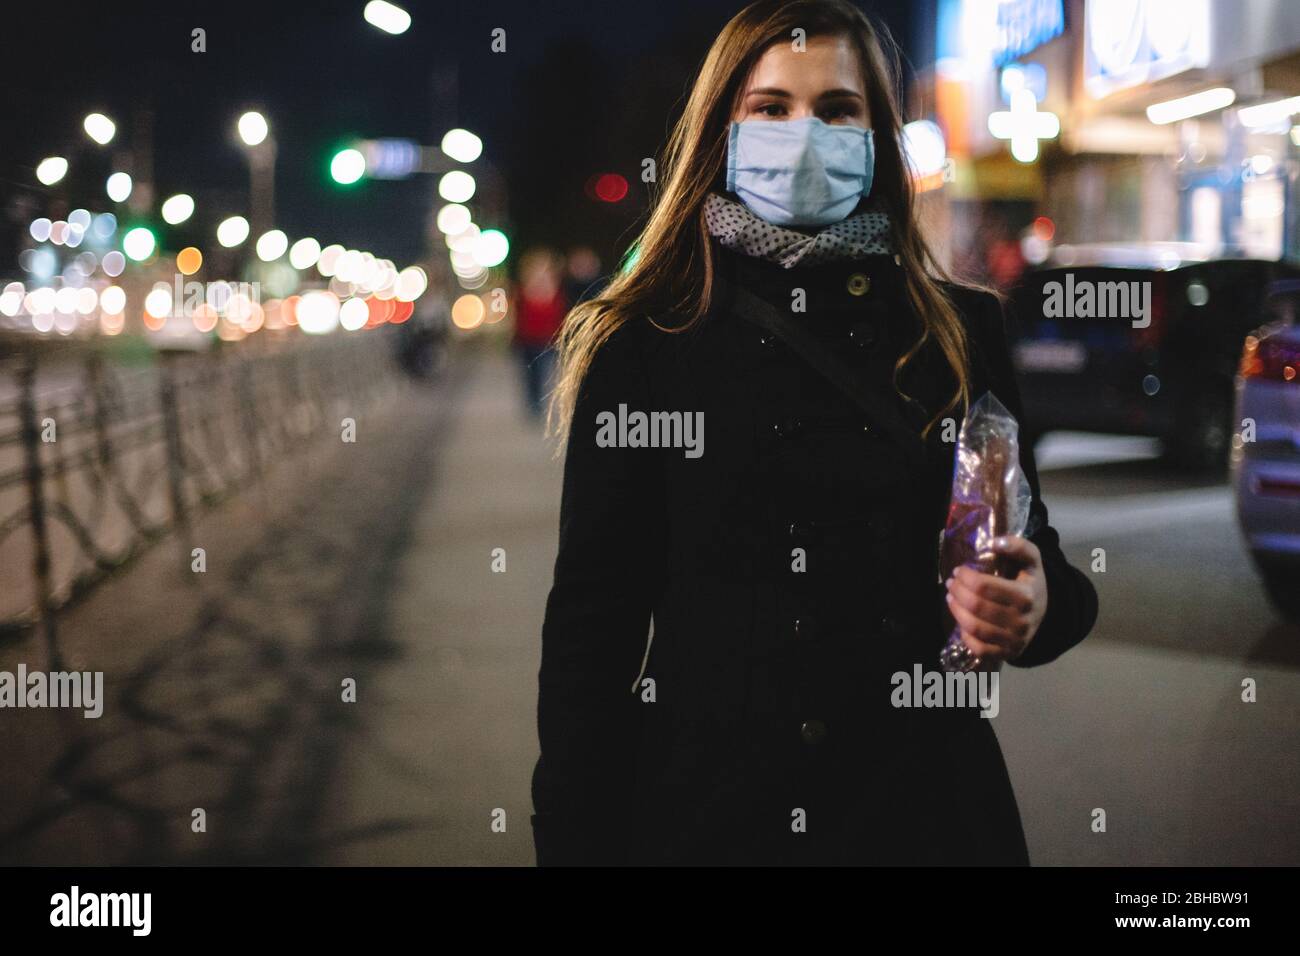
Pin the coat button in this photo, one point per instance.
(813, 732)
(805, 628)
(767, 340)
(891, 626)
(859, 284)
(798, 530)
(864, 335)
(788, 428)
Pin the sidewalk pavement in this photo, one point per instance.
(450, 729)
(224, 691)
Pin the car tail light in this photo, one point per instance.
(1277, 487)
(1271, 359)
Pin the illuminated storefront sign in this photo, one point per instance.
(1024, 125)
(1139, 41)
(1023, 25)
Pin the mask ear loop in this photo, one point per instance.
(871, 163)
(733, 138)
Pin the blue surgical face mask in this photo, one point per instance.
(800, 172)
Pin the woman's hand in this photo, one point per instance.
(998, 617)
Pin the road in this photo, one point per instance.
(388, 579)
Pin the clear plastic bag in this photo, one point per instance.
(990, 499)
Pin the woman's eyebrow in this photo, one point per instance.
(841, 93)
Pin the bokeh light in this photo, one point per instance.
(353, 314)
(490, 248)
(189, 260)
(253, 128)
(113, 264)
(318, 312)
(347, 166)
(467, 312)
(177, 209)
(99, 128)
(272, 245)
(51, 169)
(119, 187)
(387, 17)
(456, 186)
(453, 218)
(462, 145)
(113, 300)
(138, 244)
(304, 253)
(232, 231)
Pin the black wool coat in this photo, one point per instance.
(758, 728)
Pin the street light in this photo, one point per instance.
(51, 170)
(118, 187)
(462, 145)
(99, 128)
(231, 232)
(177, 209)
(272, 245)
(304, 253)
(453, 218)
(387, 17)
(456, 186)
(255, 133)
(253, 128)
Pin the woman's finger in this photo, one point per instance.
(990, 587)
(978, 628)
(1018, 548)
(994, 612)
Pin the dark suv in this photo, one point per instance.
(1145, 348)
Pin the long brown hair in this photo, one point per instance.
(673, 266)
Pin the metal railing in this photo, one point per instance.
(100, 458)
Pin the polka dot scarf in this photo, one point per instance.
(733, 225)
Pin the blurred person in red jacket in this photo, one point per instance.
(541, 307)
(583, 280)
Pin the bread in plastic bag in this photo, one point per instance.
(990, 499)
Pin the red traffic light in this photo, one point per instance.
(607, 187)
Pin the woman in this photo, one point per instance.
(790, 566)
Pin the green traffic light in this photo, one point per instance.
(347, 166)
(139, 244)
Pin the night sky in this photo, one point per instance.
(583, 87)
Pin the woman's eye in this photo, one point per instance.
(770, 109)
(837, 112)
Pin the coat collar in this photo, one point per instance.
(885, 409)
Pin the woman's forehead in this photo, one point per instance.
(820, 61)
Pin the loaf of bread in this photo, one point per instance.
(990, 496)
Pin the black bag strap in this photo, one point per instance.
(880, 405)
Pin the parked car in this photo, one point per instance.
(1164, 367)
(1266, 452)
